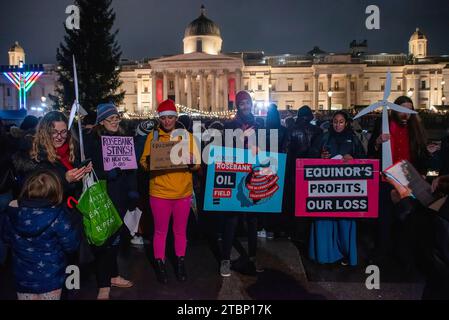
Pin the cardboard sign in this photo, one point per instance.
(118, 152)
(334, 188)
(160, 156)
(249, 186)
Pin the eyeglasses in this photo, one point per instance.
(114, 119)
(62, 133)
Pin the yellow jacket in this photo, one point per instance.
(169, 184)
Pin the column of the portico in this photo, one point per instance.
(416, 92)
(189, 89)
(238, 80)
(205, 93)
(359, 98)
(348, 91)
(201, 93)
(139, 95)
(329, 88)
(177, 91)
(315, 91)
(225, 90)
(165, 89)
(213, 97)
(153, 91)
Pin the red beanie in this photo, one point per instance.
(167, 108)
(242, 95)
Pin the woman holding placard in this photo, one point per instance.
(333, 240)
(170, 192)
(121, 187)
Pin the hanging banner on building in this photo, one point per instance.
(334, 188)
(118, 152)
(238, 180)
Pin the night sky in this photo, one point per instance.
(151, 28)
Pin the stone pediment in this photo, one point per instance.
(196, 60)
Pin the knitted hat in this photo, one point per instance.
(105, 110)
(167, 108)
(144, 128)
(242, 95)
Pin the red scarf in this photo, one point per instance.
(63, 153)
(400, 143)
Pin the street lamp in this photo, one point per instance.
(329, 98)
(410, 93)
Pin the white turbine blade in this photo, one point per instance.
(368, 109)
(399, 108)
(72, 114)
(387, 157)
(387, 86)
(75, 79)
(82, 111)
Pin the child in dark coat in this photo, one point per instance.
(41, 234)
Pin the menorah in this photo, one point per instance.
(23, 77)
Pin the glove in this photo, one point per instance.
(133, 200)
(113, 174)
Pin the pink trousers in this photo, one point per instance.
(162, 210)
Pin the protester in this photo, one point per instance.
(333, 240)
(428, 236)
(7, 181)
(273, 223)
(55, 148)
(408, 142)
(170, 193)
(245, 121)
(40, 234)
(303, 142)
(122, 190)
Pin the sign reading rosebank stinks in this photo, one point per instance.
(337, 188)
(118, 152)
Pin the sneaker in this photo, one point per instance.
(270, 235)
(137, 241)
(262, 233)
(257, 266)
(225, 268)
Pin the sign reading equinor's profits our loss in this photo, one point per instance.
(336, 188)
(118, 152)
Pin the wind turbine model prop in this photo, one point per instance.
(387, 159)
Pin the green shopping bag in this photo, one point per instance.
(100, 218)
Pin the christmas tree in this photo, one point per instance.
(97, 56)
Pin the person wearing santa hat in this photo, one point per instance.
(170, 193)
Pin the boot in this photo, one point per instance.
(181, 269)
(161, 271)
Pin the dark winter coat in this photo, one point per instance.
(121, 184)
(342, 143)
(40, 237)
(303, 140)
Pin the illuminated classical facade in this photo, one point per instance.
(204, 78)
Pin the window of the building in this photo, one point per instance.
(382, 86)
(336, 86)
(290, 86)
(199, 45)
(259, 86)
(246, 86)
(320, 86)
(8, 92)
(367, 86)
(306, 86)
(352, 85)
(423, 85)
(273, 86)
(171, 84)
(399, 88)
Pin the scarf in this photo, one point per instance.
(63, 153)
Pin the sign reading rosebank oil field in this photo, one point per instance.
(337, 188)
(243, 183)
(118, 152)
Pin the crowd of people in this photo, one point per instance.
(41, 168)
